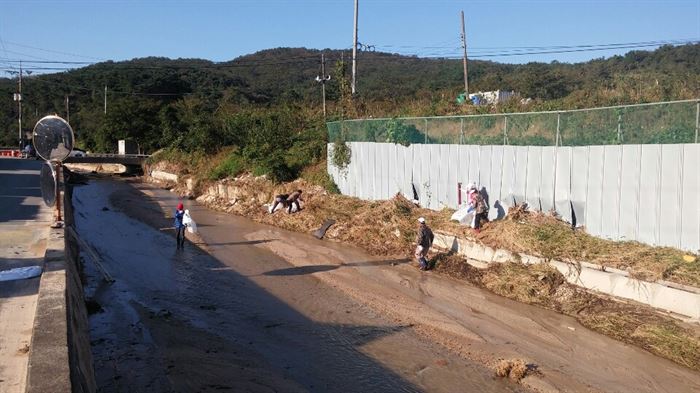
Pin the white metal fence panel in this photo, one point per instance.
(533, 177)
(474, 154)
(610, 211)
(649, 193)
(690, 207)
(416, 172)
(629, 191)
(520, 185)
(494, 188)
(452, 175)
(393, 171)
(579, 183)
(386, 158)
(562, 189)
(670, 195)
(594, 191)
(484, 167)
(547, 177)
(407, 177)
(464, 168)
(508, 177)
(443, 187)
(426, 196)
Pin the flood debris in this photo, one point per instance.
(321, 232)
(515, 369)
(544, 286)
(387, 228)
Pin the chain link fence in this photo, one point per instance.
(659, 123)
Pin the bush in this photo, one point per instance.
(318, 175)
(232, 166)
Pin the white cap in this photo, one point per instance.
(421, 220)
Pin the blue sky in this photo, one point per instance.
(223, 30)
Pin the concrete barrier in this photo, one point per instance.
(679, 299)
(164, 176)
(60, 360)
(48, 368)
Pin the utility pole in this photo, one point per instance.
(354, 53)
(464, 46)
(19, 103)
(322, 80)
(68, 109)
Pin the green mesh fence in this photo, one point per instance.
(665, 122)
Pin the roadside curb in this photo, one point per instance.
(48, 368)
(675, 298)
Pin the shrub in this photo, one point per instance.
(232, 166)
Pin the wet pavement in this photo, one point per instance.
(232, 315)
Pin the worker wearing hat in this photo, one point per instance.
(180, 226)
(424, 240)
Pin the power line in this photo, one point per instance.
(478, 54)
(53, 51)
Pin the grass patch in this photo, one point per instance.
(318, 175)
(231, 166)
(535, 284)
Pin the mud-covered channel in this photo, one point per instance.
(231, 315)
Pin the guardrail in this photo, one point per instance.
(10, 152)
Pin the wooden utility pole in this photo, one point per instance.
(464, 46)
(68, 109)
(105, 99)
(322, 79)
(354, 53)
(19, 102)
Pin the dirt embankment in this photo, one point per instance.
(388, 228)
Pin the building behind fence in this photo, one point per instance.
(639, 181)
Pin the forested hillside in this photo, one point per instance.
(198, 105)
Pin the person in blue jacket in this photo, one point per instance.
(179, 226)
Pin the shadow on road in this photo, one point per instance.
(310, 269)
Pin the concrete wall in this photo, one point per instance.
(648, 193)
(60, 360)
(675, 298)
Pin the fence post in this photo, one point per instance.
(557, 141)
(697, 121)
(505, 129)
(619, 128)
(426, 131)
(461, 132)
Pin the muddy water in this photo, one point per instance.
(231, 315)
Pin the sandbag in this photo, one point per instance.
(189, 222)
(464, 216)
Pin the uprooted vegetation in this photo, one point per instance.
(545, 286)
(545, 236)
(515, 369)
(388, 227)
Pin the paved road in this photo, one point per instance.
(24, 227)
